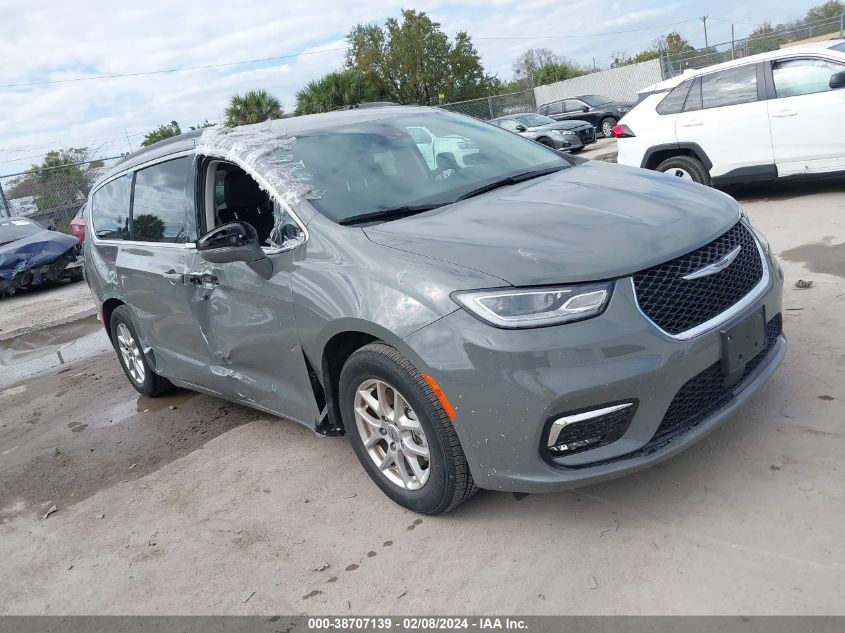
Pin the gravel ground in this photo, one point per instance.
(192, 505)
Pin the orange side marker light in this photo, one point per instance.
(447, 406)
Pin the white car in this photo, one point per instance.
(442, 152)
(763, 117)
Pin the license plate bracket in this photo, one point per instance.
(743, 342)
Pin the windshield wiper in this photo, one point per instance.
(511, 180)
(389, 214)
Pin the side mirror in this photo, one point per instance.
(235, 242)
(520, 127)
(837, 80)
(584, 108)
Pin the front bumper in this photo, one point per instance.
(566, 143)
(24, 276)
(506, 385)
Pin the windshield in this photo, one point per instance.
(415, 160)
(16, 229)
(595, 101)
(535, 120)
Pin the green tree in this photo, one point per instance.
(255, 106)
(529, 62)
(59, 181)
(413, 60)
(204, 124)
(557, 71)
(147, 227)
(334, 90)
(160, 133)
(764, 37)
(826, 11)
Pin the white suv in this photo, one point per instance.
(762, 117)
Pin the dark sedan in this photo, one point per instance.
(571, 136)
(30, 255)
(602, 112)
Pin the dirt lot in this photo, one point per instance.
(192, 505)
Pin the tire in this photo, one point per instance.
(577, 150)
(546, 141)
(606, 125)
(686, 167)
(446, 481)
(125, 339)
(77, 277)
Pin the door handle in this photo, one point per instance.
(693, 123)
(782, 114)
(173, 277)
(206, 280)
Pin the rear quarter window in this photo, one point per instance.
(110, 209)
(673, 102)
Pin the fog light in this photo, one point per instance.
(586, 429)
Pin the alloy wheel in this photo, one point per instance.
(677, 172)
(131, 354)
(392, 434)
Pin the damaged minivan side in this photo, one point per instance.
(508, 319)
(31, 255)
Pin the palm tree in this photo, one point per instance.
(254, 107)
(333, 91)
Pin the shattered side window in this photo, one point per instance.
(110, 209)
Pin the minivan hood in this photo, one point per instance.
(590, 222)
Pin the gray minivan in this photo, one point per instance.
(514, 320)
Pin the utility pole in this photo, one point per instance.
(733, 43)
(704, 19)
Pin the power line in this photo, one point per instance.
(575, 35)
(172, 70)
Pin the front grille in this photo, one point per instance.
(699, 398)
(676, 305)
(588, 134)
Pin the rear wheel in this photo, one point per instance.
(607, 126)
(126, 343)
(685, 168)
(401, 433)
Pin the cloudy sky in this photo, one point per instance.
(44, 41)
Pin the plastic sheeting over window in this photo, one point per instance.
(266, 156)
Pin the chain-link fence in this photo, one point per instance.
(493, 106)
(51, 196)
(673, 64)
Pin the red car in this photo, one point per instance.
(77, 225)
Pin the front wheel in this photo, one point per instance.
(401, 433)
(685, 168)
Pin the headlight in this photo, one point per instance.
(564, 132)
(760, 237)
(536, 307)
(622, 109)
